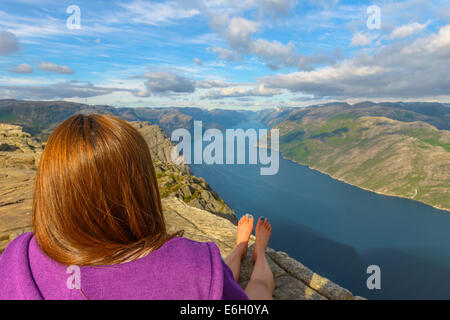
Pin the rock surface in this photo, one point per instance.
(177, 179)
(17, 148)
(292, 279)
(189, 204)
(19, 155)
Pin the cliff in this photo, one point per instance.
(188, 201)
(177, 180)
(292, 279)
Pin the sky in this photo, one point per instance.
(235, 54)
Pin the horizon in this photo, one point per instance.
(252, 55)
(235, 109)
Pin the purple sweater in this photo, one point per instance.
(180, 269)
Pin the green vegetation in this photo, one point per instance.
(407, 159)
(6, 116)
(435, 142)
(188, 199)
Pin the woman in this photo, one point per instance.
(99, 230)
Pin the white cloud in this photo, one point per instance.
(239, 32)
(8, 43)
(274, 7)
(416, 70)
(408, 30)
(51, 67)
(274, 52)
(166, 82)
(235, 92)
(61, 90)
(223, 53)
(360, 40)
(435, 43)
(155, 13)
(239, 35)
(22, 69)
(169, 82)
(198, 61)
(212, 84)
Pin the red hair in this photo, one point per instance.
(96, 199)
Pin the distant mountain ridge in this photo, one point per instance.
(39, 118)
(436, 114)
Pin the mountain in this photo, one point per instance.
(41, 117)
(189, 204)
(436, 114)
(398, 149)
(172, 118)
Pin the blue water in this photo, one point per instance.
(338, 230)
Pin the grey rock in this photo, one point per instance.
(322, 285)
(292, 279)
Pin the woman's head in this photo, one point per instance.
(96, 198)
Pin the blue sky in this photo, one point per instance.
(225, 53)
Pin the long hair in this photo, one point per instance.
(96, 199)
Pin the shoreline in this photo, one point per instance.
(363, 188)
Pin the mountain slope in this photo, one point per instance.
(399, 158)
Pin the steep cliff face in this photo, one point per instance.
(177, 180)
(189, 204)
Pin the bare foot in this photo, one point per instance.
(262, 233)
(244, 230)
